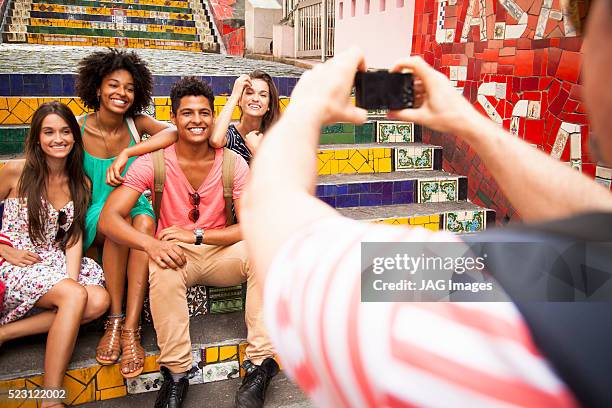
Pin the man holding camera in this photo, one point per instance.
(481, 354)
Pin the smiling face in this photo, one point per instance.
(255, 99)
(56, 138)
(193, 119)
(117, 92)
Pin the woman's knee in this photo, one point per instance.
(98, 302)
(68, 293)
(144, 223)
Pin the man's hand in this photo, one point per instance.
(439, 106)
(113, 173)
(19, 257)
(178, 234)
(325, 91)
(253, 139)
(166, 254)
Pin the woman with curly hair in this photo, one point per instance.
(117, 85)
(45, 200)
(257, 98)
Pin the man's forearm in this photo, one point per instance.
(224, 236)
(538, 186)
(116, 228)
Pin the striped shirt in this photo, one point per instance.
(235, 141)
(344, 353)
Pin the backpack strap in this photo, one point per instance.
(159, 179)
(133, 130)
(227, 171)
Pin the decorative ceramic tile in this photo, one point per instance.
(576, 164)
(575, 146)
(394, 131)
(465, 221)
(603, 172)
(413, 158)
(533, 110)
(351, 161)
(225, 300)
(514, 125)
(221, 371)
(560, 142)
(499, 31)
(435, 191)
(145, 383)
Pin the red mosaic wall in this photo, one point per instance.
(229, 17)
(518, 62)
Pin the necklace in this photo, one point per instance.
(98, 122)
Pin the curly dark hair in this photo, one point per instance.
(190, 86)
(94, 67)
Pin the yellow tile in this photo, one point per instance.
(325, 168)
(379, 153)
(334, 166)
(162, 113)
(432, 227)
(110, 393)
(212, 354)
(109, 377)
(3, 103)
(365, 168)
(419, 220)
(3, 115)
(22, 111)
(84, 375)
(78, 392)
(434, 218)
(341, 154)
(228, 353)
(357, 159)
(384, 165)
(150, 364)
(344, 167)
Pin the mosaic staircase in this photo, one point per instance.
(376, 172)
(158, 24)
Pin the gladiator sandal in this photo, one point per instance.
(133, 353)
(109, 343)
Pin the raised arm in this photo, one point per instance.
(160, 140)
(538, 186)
(321, 96)
(218, 138)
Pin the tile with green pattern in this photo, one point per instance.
(413, 158)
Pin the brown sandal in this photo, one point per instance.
(109, 343)
(132, 352)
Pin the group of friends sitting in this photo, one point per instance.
(83, 184)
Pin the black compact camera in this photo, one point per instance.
(381, 89)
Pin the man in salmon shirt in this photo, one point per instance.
(192, 245)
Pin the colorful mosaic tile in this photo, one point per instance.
(350, 161)
(465, 221)
(368, 193)
(394, 131)
(430, 222)
(112, 27)
(115, 42)
(436, 191)
(414, 158)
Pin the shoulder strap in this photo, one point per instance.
(133, 130)
(84, 117)
(159, 178)
(227, 171)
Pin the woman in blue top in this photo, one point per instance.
(117, 86)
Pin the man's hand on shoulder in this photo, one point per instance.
(166, 254)
(177, 233)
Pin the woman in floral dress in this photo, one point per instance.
(50, 287)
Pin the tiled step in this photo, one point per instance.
(456, 217)
(109, 25)
(378, 130)
(185, 20)
(364, 190)
(129, 10)
(95, 32)
(218, 350)
(377, 158)
(132, 4)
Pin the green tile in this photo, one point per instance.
(365, 133)
(348, 128)
(331, 129)
(337, 138)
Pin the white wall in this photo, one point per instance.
(259, 18)
(385, 36)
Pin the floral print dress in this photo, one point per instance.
(26, 285)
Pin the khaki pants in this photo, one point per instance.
(206, 265)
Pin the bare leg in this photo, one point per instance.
(69, 298)
(138, 280)
(97, 304)
(114, 260)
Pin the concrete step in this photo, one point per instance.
(457, 217)
(281, 393)
(402, 187)
(218, 350)
(375, 130)
(377, 158)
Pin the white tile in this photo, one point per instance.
(559, 145)
(575, 146)
(576, 164)
(487, 88)
(450, 35)
(556, 15)
(145, 383)
(541, 25)
(462, 73)
(533, 110)
(500, 91)
(520, 109)
(603, 172)
(514, 125)
(570, 127)
(500, 31)
(514, 31)
(453, 73)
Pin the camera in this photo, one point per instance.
(381, 89)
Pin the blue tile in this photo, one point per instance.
(370, 199)
(320, 191)
(357, 188)
(16, 83)
(5, 87)
(342, 189)
(404, 185)
(351, 200)
(387, 188)
(402, 198)
(387, 199)
(68, 84)
(329, 200)
(33, 90)
(54, 85)
(376, 187)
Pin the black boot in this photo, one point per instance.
(252, 392)
(171, 394)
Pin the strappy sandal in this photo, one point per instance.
(133, 353)
(109, 343)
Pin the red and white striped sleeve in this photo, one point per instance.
(4, 240)
(345, 353)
